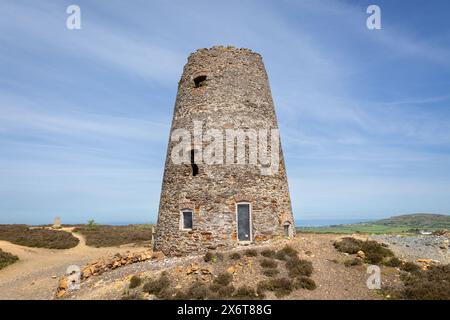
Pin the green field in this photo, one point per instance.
(399, 224)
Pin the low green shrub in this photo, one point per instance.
(224, 279)
(431, 284)
(135, 282)
(197, 291)
(375, 253)
(304, 283)
(268, 263)
(251, 253)
(353, 262)
(286, 253)
(235, 256)
(279, 286)
(245, 293)
(156, 286)
(268, 272)
(393, 262)
(409, 267)
(268, 253)
(217, 291)
(6, 259)
(348, 245)
(298, 267)
(213, 257)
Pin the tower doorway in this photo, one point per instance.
(243, 222)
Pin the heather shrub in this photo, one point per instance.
(135, 282)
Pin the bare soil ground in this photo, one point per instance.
(36, 274)
(333, 279)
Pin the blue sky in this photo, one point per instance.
(85, 114)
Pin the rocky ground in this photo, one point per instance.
(414, 247)
(37, 274)
(333, 279)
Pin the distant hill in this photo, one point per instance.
(397, 224)
(417, 220)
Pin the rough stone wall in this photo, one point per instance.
(236, 96)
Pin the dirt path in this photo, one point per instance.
(32, 277)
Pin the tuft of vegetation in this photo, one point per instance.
(279, 286)
(304, 283)
(286, 253)
(374, 252)
(348, 245)
(217, 291)
(353, 262)
(299, 267)
(393, 262)
(213, 257)
(235, 256)
(6, 259)
(135, 282)
(111, 236)
(245, 293)
(197, 291)
(268, 253)
(431, 284)
(132, 296)
(251, 253)
(409, 267)
(37, 237)
(157, 286)
(224, 279)
(268, 263)
(269, 272)
(91, 225)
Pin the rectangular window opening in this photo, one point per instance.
(187, 220)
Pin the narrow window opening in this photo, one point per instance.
(243, 222)
(200, 81)
(194, 166)
(187, 220)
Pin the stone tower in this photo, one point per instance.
(220, 189)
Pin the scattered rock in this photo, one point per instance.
(361, 254)
(231, 270)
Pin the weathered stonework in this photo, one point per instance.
(235, 95)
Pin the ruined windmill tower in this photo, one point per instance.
(225, 181)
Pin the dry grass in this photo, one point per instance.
(37, 237)
(111, 236)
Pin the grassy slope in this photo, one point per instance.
(398, 224)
